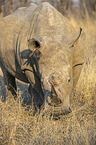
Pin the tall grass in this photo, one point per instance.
(18, 126)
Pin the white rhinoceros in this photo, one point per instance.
(39, 46)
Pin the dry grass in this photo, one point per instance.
(18, 126)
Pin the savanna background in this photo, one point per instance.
(18, 126)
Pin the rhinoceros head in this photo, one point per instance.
(53, 41)
(55, 66)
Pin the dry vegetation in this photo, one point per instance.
(18, 126)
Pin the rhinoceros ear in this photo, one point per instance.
(74, 38)
(34, 46)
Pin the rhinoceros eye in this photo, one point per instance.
(69, 80)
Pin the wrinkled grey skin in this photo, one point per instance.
(36, 47)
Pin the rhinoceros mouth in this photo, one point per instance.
(57, 111)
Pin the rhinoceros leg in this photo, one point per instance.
(3, 94)
(38, 91)
(10, 82)
(36, 98)
(35, 89)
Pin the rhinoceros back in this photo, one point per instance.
(14, 31)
